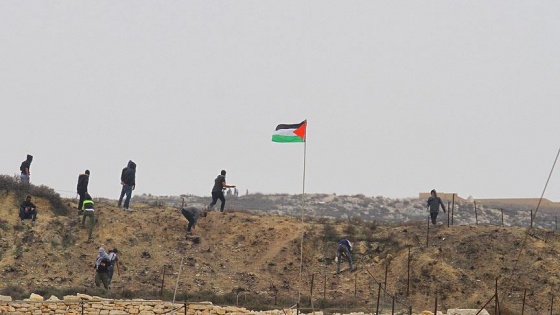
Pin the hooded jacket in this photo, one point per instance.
(26, 164)
(128, 176)
(83, 181)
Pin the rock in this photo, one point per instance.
(36, 297)
(5, 298)
(84, 296)
(457, 311)
(53, 298)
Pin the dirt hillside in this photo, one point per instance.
(245, 258)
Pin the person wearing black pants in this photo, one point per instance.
(218, 191)
(434, 202)
(192, 214)
(82, 188)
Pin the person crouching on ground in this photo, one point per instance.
(192, 214)
(101, 267)
(344, 248)
(28, 210)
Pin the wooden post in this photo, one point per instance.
(162, 282)
(475, 213)
(356, 285)
(428, 233)
(551, 303)
(496, 297)
(531, 218)
(448, 212)
(378, 296)
(452, 209)
(325, 287)
(502, 217)
(555, 223)
(524, 298)
(311, 290)
(435, 311)
(408, 275)
(393, 306)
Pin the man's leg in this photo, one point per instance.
(433, 215)
(81, 200)
(24, 178)
(110, 271)
(21, 213)
(349, 256)
(189, 218)
(122, 195)
(338, 258)
(128, 192)
(91, 215)
(33, 214)
(223, 200)
(214, 200)
(105, 280)
(97, 279)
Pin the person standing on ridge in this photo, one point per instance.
(24, 169)
(128, 182)
(218, 191)
(82, 188)
(433, 205)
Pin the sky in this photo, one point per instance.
(401, 97)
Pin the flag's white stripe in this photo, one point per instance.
(285, 132)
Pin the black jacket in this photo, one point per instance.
(26, 164)
(128, 176)
(83, 181)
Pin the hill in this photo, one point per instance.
(253, 259)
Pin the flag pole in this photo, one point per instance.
(302, 222)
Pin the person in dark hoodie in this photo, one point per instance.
(434, 202)
(128, 182)
(24, 168)
(83, 181)
(28, 210)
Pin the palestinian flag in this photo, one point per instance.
(290, 133)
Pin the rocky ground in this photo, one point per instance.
(254, 259)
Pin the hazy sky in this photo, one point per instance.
(400, 96)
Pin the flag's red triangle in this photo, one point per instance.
(300, 132)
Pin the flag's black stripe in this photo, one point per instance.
(289, 126)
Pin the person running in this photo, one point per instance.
(433, 205)
(24, 169)
(113, 262)
(218, 191)
(101, 267)
(128, 182)
(192, 214)
(28, 210)
(89, 212)
(82, 188)
(344, 249)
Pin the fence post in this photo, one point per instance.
(551, 303)
(325, 287)
(162, 282)
(475, 213)
(556, 223)
(311, 290)
(82, 306)
(531, 218)
(435, 311)
(496, 298)
(185, 305)
(378, 296)
(356, 285)
(502, 217)
(452, 209)
(448, 212)
(297, 308)
(393, 306)
(428, 233)
(410, 310)
(408, 274)
(523, 305)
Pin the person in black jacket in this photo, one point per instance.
(83, 181)
(218, 191)
(28, 210)
(128, 182)
(434, 202)
(24, 169)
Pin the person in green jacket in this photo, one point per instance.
(89, 212)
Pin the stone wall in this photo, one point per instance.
(93, 305)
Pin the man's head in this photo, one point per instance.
(28, 198)
(114, 250)
(433, 193)
(223, 172)
(87, 172)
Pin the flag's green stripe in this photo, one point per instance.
(280, 138)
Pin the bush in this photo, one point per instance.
(12, 184)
